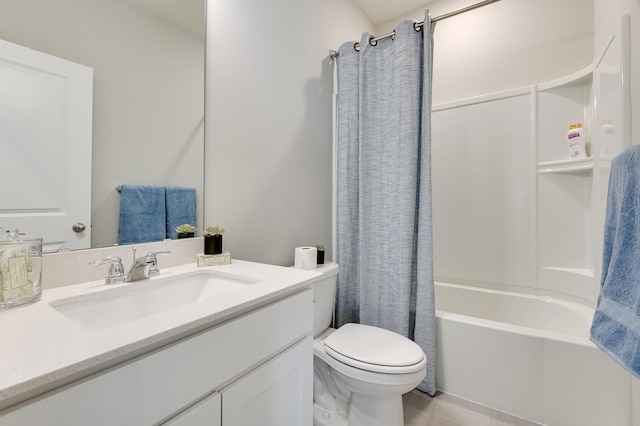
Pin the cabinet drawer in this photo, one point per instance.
(152, 387)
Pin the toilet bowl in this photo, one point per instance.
(360, 371)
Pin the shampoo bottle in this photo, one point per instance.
(576, 140)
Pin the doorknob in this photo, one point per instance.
(78, 227)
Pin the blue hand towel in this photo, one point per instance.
(142, 214)
(616, 323)
(181, 208)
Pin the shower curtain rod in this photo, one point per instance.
(374, 40)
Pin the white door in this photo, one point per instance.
(45, 146)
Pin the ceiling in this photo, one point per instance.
(380, 11)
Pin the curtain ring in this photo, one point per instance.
(373, 41)
(356, 46)
(417, 27)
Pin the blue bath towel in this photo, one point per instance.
(142, 214)
(181, 208)
(616, 323)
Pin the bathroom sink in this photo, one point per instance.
(141, 299)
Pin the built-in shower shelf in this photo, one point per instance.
(578, 282)
(579, 78)
(566, 166)
(588, 273)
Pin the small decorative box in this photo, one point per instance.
(223, 258)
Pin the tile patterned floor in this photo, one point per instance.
(446, 410)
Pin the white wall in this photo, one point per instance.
(135, 57)
(269, 97)
(505, 45)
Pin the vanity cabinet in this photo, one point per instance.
(256, 368)
(282, 386)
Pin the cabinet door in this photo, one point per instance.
(278, 393)
(205, 412)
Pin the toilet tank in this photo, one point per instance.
(324, 296)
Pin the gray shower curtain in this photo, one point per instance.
(384, 243)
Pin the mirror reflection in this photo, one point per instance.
(147, 58)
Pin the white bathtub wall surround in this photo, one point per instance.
(528, 220)
(566, 197)
(486, 154)
(529, 356)
(524, 217)
(484, 190)
(606, 15)
(72, 267)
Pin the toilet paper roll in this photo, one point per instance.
(306, 258)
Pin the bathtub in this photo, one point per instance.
(527, 355)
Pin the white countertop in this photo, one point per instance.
(41, 349)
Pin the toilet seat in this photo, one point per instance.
(374, 349)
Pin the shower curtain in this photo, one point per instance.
(383, 206)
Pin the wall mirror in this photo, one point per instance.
(147, 58)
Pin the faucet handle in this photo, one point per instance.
(116, 270)
(153, 261)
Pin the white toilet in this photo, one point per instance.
(360, 371)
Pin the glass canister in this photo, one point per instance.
(20, 268)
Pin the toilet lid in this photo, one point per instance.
(374, 349)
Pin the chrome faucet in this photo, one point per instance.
(144, 267)
(116, 270)
(153, 269)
